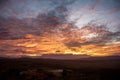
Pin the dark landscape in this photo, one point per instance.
(94, 68)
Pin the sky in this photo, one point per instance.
(37, 27)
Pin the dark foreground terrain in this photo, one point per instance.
(51, 69)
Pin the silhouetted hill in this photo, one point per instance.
(63, 56)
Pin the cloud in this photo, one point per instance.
(73, 44)
(2, 2)
(17, 28)
(57, 15)
(113, 37)
(51, 31)
(4, 33)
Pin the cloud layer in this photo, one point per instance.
(62, 27)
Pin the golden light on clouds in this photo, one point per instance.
(66, 27)
(38, 45)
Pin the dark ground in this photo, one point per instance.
(51, 69)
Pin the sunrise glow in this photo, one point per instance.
(34, 28)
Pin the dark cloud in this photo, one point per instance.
(2, 2)
(4, 33)
(45, 22)
(113, 36)
(73, 44)
(4, 29)
(96, 42)
(63, 2)
(3, 21)
(117, 2)
(49, 19)
(103, 35)
(55, 16)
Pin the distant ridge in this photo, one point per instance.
(64, 56)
